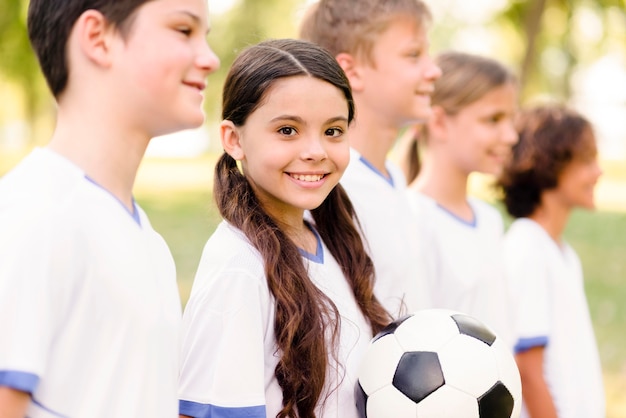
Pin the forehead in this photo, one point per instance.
(502, 98)
(404, 29)
(586, 146)
(195, 9)
(390, 35)
(303, 95)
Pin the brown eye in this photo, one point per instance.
(334, 132)
(287, 131)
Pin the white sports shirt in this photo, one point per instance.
(229, 350)
(88, 298)
(389, 234)
(551, 310)
(464, 261)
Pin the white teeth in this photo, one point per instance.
(307, 177)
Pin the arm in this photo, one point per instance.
(13, 403)
(535, 392)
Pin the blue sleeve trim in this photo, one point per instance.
(26, 382)
(199, 410)
(525, 344)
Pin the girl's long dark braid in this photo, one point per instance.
(302, 312)
(336, 222)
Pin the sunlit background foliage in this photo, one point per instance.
(567, 50)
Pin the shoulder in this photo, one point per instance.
(523, 229)
(525, 241)
(229, 252)
(420, 204)
(38, 197)
(399, 180)
(487, 215)
(484, 209)
(42, 179)
(230, 276)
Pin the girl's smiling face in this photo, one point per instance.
(293, 148)
(482, 134)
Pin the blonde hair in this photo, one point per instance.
(465, 79)
(353, 26)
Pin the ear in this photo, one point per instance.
(438, 124)
(231, 140)
(350, 66)
(95, 36)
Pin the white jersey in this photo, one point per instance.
(464, 261)
(388, 227)
(551, 311)
(229, 350)
(88, 297)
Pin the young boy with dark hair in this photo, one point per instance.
(383, 49)
(87, 288)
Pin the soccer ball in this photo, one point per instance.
(438, 363)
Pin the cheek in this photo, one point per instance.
(341, 156)
(161, 64)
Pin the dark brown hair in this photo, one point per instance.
(550, 137)
(303, 313)
(50, 23)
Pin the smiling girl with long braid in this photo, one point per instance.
(281, 309)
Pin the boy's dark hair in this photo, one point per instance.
(50, 23)
(550, 137)
(304, 316)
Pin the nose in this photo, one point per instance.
(433, 72)
(314, 149)
(510, 136)
(598, 169)
(207, 59)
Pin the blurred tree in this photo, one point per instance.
(246, 23)
(545, 39)
(559, 35)
(18, 63)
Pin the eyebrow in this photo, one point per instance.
(298, 119)
(193, 17)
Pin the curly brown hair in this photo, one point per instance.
(304, 315)
(550, 137)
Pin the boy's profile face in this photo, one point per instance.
(399, 78)
(577, 181)
(163, 61)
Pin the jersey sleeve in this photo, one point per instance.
(32, 294)
(223, 354)
(528, 278)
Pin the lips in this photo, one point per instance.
(200, 85)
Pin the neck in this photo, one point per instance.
(445, 184)
(110, 156)
(552, 216)
(372, 138)
(301, 235)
